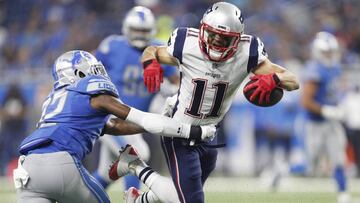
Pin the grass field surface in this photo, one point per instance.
(243, 189)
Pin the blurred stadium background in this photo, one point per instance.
(264, 152)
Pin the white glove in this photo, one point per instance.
(169, 106)
(20, 175)
(332, 112)
(208, 132)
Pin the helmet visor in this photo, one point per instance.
(219, 39)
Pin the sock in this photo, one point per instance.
(340, 178)
(100, 179)
(162, 188)
(131, 181)
(147, 175)
(147, 197)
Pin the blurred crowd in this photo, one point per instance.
(34, 32)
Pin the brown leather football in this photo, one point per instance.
(275, 96)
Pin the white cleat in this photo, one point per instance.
(131, 195)
(120, 167)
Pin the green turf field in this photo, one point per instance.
(238, 190)
(222, 197)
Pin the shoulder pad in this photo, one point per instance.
(311, 72)
(192, 32)
(245, 38)
(105, 45)
(176, 43)
(257, 52)
(93, 85)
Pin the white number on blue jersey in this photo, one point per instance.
(132, 85)
(53, 105)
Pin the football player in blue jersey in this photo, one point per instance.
(121, 58)
(74, 115)
(323, 131)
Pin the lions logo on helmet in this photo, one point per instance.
(74, 65)
(220, 30)
(139, 26)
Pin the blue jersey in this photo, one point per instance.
(122, 62)
(327, 79)
(68, 122)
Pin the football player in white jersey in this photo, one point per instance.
(213, 62)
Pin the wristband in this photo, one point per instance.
(276, 78)
(195, 133)
(148, 62)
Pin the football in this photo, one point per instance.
(275, 96)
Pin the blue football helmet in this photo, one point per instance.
(74, 65)
(326, 49)
(139, 26)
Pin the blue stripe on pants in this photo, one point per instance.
(94, 186)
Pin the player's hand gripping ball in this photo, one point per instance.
(263, 90)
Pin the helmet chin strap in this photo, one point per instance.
(214, 55)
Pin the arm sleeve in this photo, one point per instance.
(257, 53)
(158, 124)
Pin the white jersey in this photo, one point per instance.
(207, 88)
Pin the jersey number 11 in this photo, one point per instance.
(198, 97)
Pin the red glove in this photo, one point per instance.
(264, 85)
(153, 75)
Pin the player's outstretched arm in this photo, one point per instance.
(117, 126)
(308, 102)
(152, 123)
(153, 73)
(160, 54)
(307, 97)
(288, 80)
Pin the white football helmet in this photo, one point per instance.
(139, 26)
(74, 65)
(325, 49)
(220, 30)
